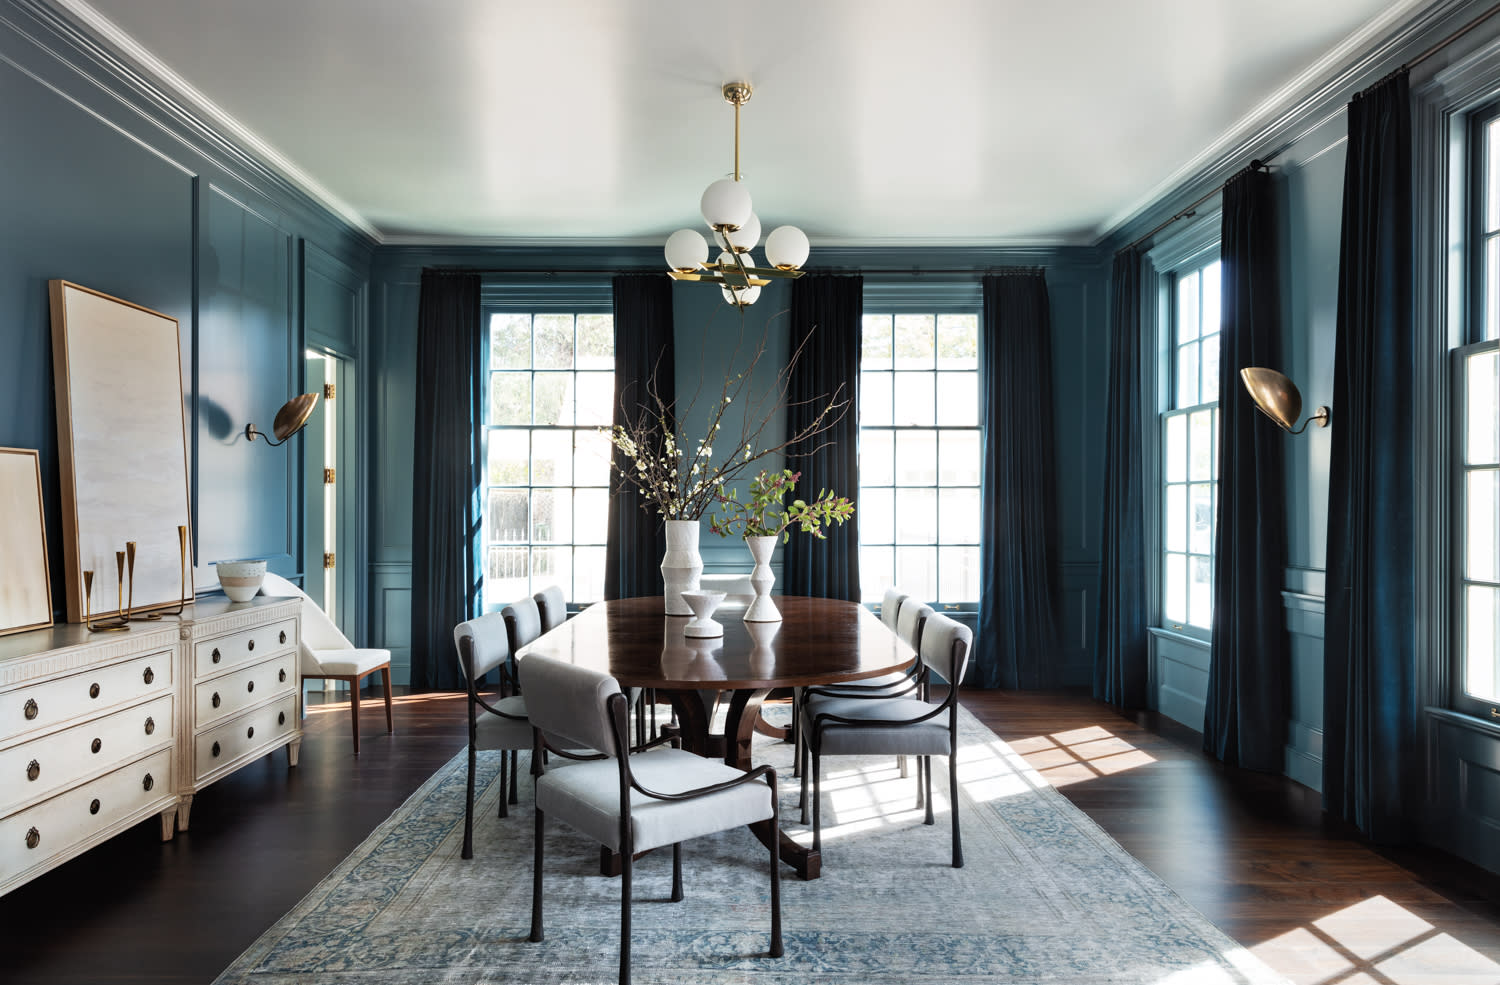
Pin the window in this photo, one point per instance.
(551, 387)
(1190, 460)
(919, 456)
(1476, 445)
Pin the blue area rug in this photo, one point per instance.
(1045, 896)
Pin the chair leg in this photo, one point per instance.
(796, 733)
(468, 851)
(958, 846)
(515, 763)
(775, 842)
(677, 872)
(504, 811)
(802, 803)
(536, 880)
(626, 867)
(817, 801)
(385, 686)
(927, 781)
(354, 710)
(921, 797)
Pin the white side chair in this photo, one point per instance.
(631, 801)
(552, 607)
(495, 722)
(324, 652)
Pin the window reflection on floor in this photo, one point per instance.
(1079, 754)
(1375, 942)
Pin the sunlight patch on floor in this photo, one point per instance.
(1242, 962)
(1080, 754)
(1376, 942)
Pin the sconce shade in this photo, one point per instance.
(290, 419)
(1278, 398)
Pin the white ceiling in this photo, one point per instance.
(873, 122)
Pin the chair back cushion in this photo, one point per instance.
(914, 615)
(946, 644)
(553, 607)
(523, 621)
(318, 631)
(568, 702)
(489, 644)
(890, 606)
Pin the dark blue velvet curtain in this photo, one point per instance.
(826, 313)
(1120, 663)
(643, 346)
(1370, 713)
(446, 571)
(1244, 723)
(1017, 640)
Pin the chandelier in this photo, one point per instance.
(727, 210)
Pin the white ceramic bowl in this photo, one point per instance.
(240, 579)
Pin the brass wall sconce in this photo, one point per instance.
(1278, 398)
(290, 419)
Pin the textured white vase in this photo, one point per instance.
(681, 566)
(762, 609)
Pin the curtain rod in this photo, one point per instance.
(1255, 165)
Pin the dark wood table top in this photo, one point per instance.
(818, 641)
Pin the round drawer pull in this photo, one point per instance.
(250, 646)
(33, 770)
(149, 675)
(215, 749)
(281, 676)
(283, 636)
(150, 725)
(93, 690)
(216, 654)
(250, 686)
(148, 782)
(216, 699)
(95, 746)
(281, 718)
(94, 807)
(33, 838)
(31, 710)
(250, 732)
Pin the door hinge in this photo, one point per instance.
(328, 476)
(328, 560)
(330, 390)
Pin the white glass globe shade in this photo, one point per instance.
(726, 202)
(686, 250)
(787, 247)
(743, 296)
(745, 239)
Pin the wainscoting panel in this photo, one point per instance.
(390, 615)
(1304, 626)
(1465, 786)
(1180, 671)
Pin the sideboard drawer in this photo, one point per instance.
(37, 706)
(35, 769)
(219, 654)
(33, 836)
(263, 727)
(224, 696)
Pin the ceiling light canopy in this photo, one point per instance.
(727, 209)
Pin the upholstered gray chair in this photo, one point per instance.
(890, 606)
(494, 722)
(861, 726)
(552, 607)
(630, 801)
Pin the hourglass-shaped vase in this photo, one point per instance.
(762, 609)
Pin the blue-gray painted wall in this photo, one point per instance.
(711, 343)
(106, 186)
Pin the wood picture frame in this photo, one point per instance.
(122, 449)
(25, 580)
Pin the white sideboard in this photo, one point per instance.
(99, 731)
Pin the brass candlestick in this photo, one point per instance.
(120, 587)
(88, 595)
(182, 568)
(130, 615)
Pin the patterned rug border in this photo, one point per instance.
(1234, 963)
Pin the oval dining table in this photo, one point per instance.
(817, 641)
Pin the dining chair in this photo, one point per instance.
(552, 606)
(324, 652)
(495, 722)
(627, 800)
(851, 726)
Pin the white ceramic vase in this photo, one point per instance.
(681, 566)
(762, 609)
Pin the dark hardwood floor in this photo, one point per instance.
(1252, 852)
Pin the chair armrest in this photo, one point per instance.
(853, 687)
(477, 699)
(820, 720)
(752, 775)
